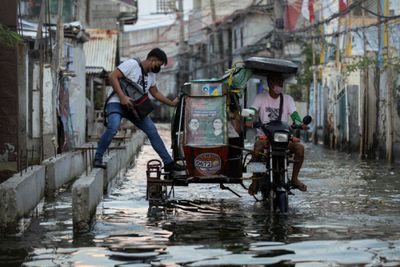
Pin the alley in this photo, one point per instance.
(341, 63)
(350, 215)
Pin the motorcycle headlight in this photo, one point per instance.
(281, 137)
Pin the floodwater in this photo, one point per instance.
(350, 216)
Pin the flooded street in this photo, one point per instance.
(349, 216)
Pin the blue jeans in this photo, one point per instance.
(115, 114)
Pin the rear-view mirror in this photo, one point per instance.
(307, 120)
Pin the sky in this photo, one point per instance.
(147, 7)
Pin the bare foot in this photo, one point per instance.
(253, 188)
(299, 185)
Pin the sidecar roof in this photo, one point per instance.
(265, 65)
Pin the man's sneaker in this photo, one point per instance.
(98, 163)
(173, 167)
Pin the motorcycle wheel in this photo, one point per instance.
(281, 202)
(265, 187)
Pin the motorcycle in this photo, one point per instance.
(272, 170)
(208, 136)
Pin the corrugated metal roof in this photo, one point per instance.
(100, 50)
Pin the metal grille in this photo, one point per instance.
(165, 6)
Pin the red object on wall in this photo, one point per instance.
(293, 11)
(311, 11)
(342, 5)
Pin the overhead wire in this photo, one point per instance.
(201, 30)
(299, 33)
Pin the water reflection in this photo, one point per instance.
(349, 216)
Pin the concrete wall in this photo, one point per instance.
(353, 117)
(20, 194)
(136, 43)
(339, 109)
(396, 118)
(9, 87)
(63, 168)
(88, 189)
(252, 31)
(49, 112)
(77, 92)
(23, 89)
(86, 194)
(103, 13)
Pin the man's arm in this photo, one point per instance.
(296, 118)
(252, 117)
(114, 79)
(160, 97)
(293, 112)
(255, 110)
(298, 121)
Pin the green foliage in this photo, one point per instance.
(8, 37)
(395, 63)
(362, 63)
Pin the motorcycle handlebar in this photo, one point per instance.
(259, 125)
(306, 121)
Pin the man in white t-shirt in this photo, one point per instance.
(267, 104)
(135, 71)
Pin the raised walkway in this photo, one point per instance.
(22, 193)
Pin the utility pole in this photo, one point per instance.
(389, 94)
(183, 72)
(57, 60)
(315, 85)
(215, 39)
(364, 142)
(39, 49)
(59, 38)
(377, 85)
(337, 84)
(181, 25)
(346, 88)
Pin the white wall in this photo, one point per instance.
(77, 95)
(147, 7)
(49, 109)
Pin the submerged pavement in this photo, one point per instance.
(349, 216)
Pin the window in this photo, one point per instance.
(234, 40)
(238, 37)
(211, 42)
(164, 6)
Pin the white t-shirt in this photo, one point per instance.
(268, 107)
(131, 70)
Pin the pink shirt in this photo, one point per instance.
(268, 107)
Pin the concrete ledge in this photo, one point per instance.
(77, 163)
(113, 166)
(20, 194)
(62, 169)
(120, 159)
(87, 192)
(134, 147)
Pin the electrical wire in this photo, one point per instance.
(300, 33)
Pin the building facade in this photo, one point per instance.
(47, 70)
